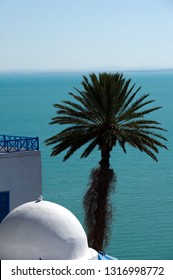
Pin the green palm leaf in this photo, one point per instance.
(106, 111)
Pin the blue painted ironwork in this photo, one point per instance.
(10, 143)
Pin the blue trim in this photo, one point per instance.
(4, 204)
(102, 256)
(17, 143)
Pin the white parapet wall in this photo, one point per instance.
(20, 176)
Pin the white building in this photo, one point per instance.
(34, 229)
(20, 172)
(43, 230)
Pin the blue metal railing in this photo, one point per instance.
(10, 143)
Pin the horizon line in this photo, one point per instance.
(92, 69)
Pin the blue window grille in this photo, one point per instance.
(4, 204)
(18, 143)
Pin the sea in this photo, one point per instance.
(142, 224)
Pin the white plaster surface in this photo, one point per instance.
(20, 174)
(43, 230)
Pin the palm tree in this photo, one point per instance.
(106, 112)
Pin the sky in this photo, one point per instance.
(85, 34)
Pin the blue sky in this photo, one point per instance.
(85, 34)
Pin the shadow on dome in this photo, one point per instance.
(47, 231)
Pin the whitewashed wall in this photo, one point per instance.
(20, 174)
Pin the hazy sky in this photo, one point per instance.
(80, 34)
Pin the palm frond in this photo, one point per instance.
(90, 148)
(127, 100)
(106, 111)
(69, 120)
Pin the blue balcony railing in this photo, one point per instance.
(18, 143)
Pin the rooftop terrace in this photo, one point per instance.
(10, 143)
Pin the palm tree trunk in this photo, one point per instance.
(105, 157)
(98, 210)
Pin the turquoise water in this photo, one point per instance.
(142, 226)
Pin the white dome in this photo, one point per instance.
(43, 230)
